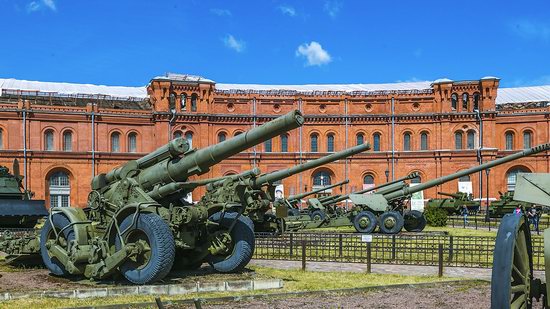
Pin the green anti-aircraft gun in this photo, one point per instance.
(256, 193)
(137, 222)
(454, 203)
(506, 204)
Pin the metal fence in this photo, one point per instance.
(480, 222)
(420, 249)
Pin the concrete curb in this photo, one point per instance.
(168, 289)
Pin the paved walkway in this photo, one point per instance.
(415, 270)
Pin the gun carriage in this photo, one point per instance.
(454, 203)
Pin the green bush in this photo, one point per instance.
(435, 216)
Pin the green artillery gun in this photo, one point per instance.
(387, 209)
(292, 201)
(455, 202)
(256, 193)
(513, 284)
(17, 208)
(137, 223)
(506, 204)
(325, 212)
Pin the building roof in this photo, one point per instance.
(425, 85)
(73, 89)
(523, 94)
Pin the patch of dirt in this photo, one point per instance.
(451, 296)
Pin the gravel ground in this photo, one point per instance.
(456, 295)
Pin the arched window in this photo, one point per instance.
(527, 139)
(476, 100)
(284, 143)
(183, 102)
(59, 189)
(222, 137)
(368, 179)
(454, 101)
(178, 134)
(330, 143)
(67, 141)
(512, 175)
(509, 137)
(48, 140)
(132, 142)
(416, 179)
(314, 139)
(407, 142)
(424, 141)
(465, 100)
(172, 102)
(194, 102)
(376, 142)
(321, 178)
(464, 178)
(360, 138)
(115, 142)
(458, 140)
(189, 138)
(471, 139)
(268, 146)
(1, 139)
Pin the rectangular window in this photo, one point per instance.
(284, 143)
(132, 143)
(423, 142)
(509, 141)
(407, 142)
(267, 146)
(376, 142)
(67, 142)
(526, 140)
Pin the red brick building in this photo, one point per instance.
(63, 134)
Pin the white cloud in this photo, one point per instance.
(231, 42)
(221, 12)
(522, 82)
(314, 53)
(413, 79)
(533, 30)
(332, 7)
(287, 10)
(34, 6)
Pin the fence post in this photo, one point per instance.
(440, 273)
(453, 221)
(393, 247)
(369, 258)
(291, 244)
(475, 220)
(451, 248)
(340, 245)
(303, 254)
(489, 224)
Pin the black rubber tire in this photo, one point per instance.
(294, 212)
(162, 245)
(318, 214)
(414, 221)
(53, 264)
(513, 232)
(399, 222)
(243, 243)
(370, 227)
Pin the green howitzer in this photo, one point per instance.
(137, 223)
(292, 201)
(455, 204)
(253, 196)
(506, 204)
(388, 211)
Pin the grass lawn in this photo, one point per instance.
(458, 231)
(294, 280)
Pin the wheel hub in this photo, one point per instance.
(364, 222)
(221, 244)
(389, 222)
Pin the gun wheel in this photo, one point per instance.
(414, 221)
(512, 272)
(317, 215)
(391, 222)
(231, 250)
(153, 248)
(48, 239)
(364, 222)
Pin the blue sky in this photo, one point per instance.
(275, 42)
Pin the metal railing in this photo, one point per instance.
(421, 249)
(478, 222)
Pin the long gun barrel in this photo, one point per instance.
(302, 195)
(270, 178)
(432, 183)
(345, 197)
(165, 165)
(453, 195)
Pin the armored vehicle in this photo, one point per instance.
(506, 204)
(17, 208)
(454, 203)
(137, 223)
